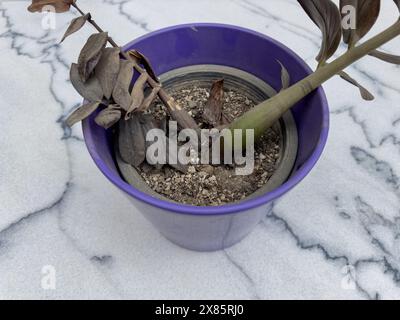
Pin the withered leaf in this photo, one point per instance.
(365, 94)
(82, 113)
(91, 53)
(137, 93)
(367, 14)
(285, 77)
(150, 99)
(131, 141)
(59, 5)
(212, 113)
(164, 124)
(148, 123)
(326, 16)
(180, 115)
(90, 90)
(142, 59)
(175, 164)
(184, 119)
(121, 92)
(213, 109)
(390, 58)
(75, 25)
(109, 116)
(107, 70)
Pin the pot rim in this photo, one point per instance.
(227, 208)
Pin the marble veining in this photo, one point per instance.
(337, 235)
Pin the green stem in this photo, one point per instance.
(264, 115)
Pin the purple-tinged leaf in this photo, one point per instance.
(147, 102)
(148, 123)
(365, 94)
(107, 70)
(76, 25)
(109, 116)
(140, 58)
(326, 16)
(367, 12)
(91, 53)
(82, 113)
(137, 94)
(121, 92)
(131, 141)
(90, 90)
(390, 58)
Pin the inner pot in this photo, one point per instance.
(238, 80)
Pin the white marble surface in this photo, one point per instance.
(57, 209)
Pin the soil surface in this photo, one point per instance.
(206, 185)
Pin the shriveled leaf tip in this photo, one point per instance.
(82, 113)
(91, 53)
(285, 76)
(108, 117)
(75, 25)
(325, 14)
(58, 5)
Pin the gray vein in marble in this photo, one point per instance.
(122, 12)
(104, 260)
(380, 169)
(316, 246)
(34, 214)
(244, 273)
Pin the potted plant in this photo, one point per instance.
(186, 79)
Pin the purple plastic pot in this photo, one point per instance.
(214, 228)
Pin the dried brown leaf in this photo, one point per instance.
(326, 16)
(390, 58)
(82, 113)
(121, 92)
(285, 77)
(75, 25)
(149, 123)
(59, 5)
(171, 143)
(91, 53)
(142, 59)
(107, 70)
(109, 116)
(212, 113)
(367, 14)
(131, 141)
(365, 94)
(137, 94)
(90, 90)
(150, 99)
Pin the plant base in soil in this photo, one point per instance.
(207, 185)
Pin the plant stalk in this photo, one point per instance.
(175, 110)
(264, 115)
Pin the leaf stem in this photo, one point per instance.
(264, 115)
(176, 111)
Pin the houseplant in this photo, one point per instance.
(211, 228)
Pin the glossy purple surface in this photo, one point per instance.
(212, 228)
